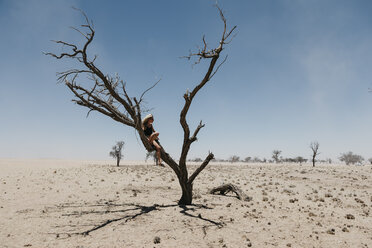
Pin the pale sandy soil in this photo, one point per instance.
(53, 203)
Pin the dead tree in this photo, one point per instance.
(116, 151)
(314, 146)
(108, 95)
(234, 159)
(351, 158)
(275, 156)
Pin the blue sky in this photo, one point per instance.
(297, 71)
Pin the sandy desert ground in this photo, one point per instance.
(61, 203)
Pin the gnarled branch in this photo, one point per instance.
(204, 53)
(108, 95)
(201, 167)
(225, 188)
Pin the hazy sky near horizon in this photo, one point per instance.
(297, 71)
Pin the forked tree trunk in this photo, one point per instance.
(186, 198)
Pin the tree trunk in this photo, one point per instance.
(313, 161)
(186, 198)
(117, 162)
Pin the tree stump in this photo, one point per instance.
(226, 188)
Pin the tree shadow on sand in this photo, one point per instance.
(126, 212)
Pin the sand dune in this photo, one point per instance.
(60, 203)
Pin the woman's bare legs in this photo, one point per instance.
(157, 146)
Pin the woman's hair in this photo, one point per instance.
(146, 120)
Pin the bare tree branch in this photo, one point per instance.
(201, 167)
(143, 94)
(194, 138)
(213, 55)
(78, 30)
(218, 67)
(62, 76)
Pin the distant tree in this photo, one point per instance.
(116, 151)
(370, 160)
(276, 155)
(288, 160)
(314, 146)
(351, 158)
(234, 159)
(257, 160)
(197, 160)
(247, 159)
(300, 160)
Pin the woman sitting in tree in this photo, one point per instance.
(152, 136)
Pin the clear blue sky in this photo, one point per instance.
(297, 71)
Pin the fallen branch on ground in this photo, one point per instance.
(226, 188)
